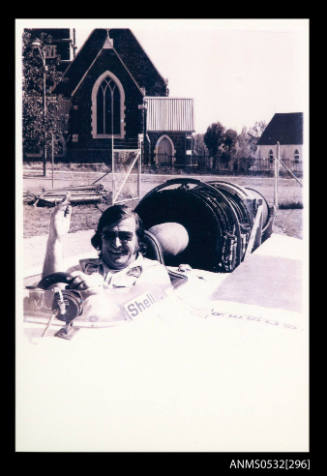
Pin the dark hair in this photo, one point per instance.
(114, 214)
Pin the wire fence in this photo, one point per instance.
(245, 166)
(167, 163)
(236, 166)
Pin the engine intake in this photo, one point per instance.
(209, 225)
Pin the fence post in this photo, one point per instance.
(276, 175)
(139, 174)
(52, 157)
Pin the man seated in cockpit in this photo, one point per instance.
(119, 242)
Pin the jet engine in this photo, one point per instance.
(209, 225)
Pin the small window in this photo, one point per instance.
(296, 156)
(50, 51)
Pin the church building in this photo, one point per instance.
(115, 96)
(287, 129)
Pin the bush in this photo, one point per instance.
(290, 205)
(58, 165)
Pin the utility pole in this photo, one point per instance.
(38, 45)
(45, 117)
(52, 158)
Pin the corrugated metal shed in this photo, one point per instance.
(169, 114)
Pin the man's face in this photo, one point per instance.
(119, 243)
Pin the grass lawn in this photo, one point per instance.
(36, 219)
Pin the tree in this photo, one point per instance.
(214, 139)
(254, 133)
(243, 144)
(247, 145)
(199, 146)
(229, 146)
(38, 127)
(200, 151)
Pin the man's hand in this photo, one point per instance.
(88, 283)
(59, 226)
(60, 218)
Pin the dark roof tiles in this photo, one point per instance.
(287, 128)
(130, 53)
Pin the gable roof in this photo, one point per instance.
(287, 128)
(130, 53)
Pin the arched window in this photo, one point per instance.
(271, 156)
(296, 156)
(108, 104)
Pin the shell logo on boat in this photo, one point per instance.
(138, 306)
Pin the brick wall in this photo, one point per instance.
(82, 146)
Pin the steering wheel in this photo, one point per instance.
(67, 303)
(60, 277)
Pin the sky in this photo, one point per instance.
(237, 71)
